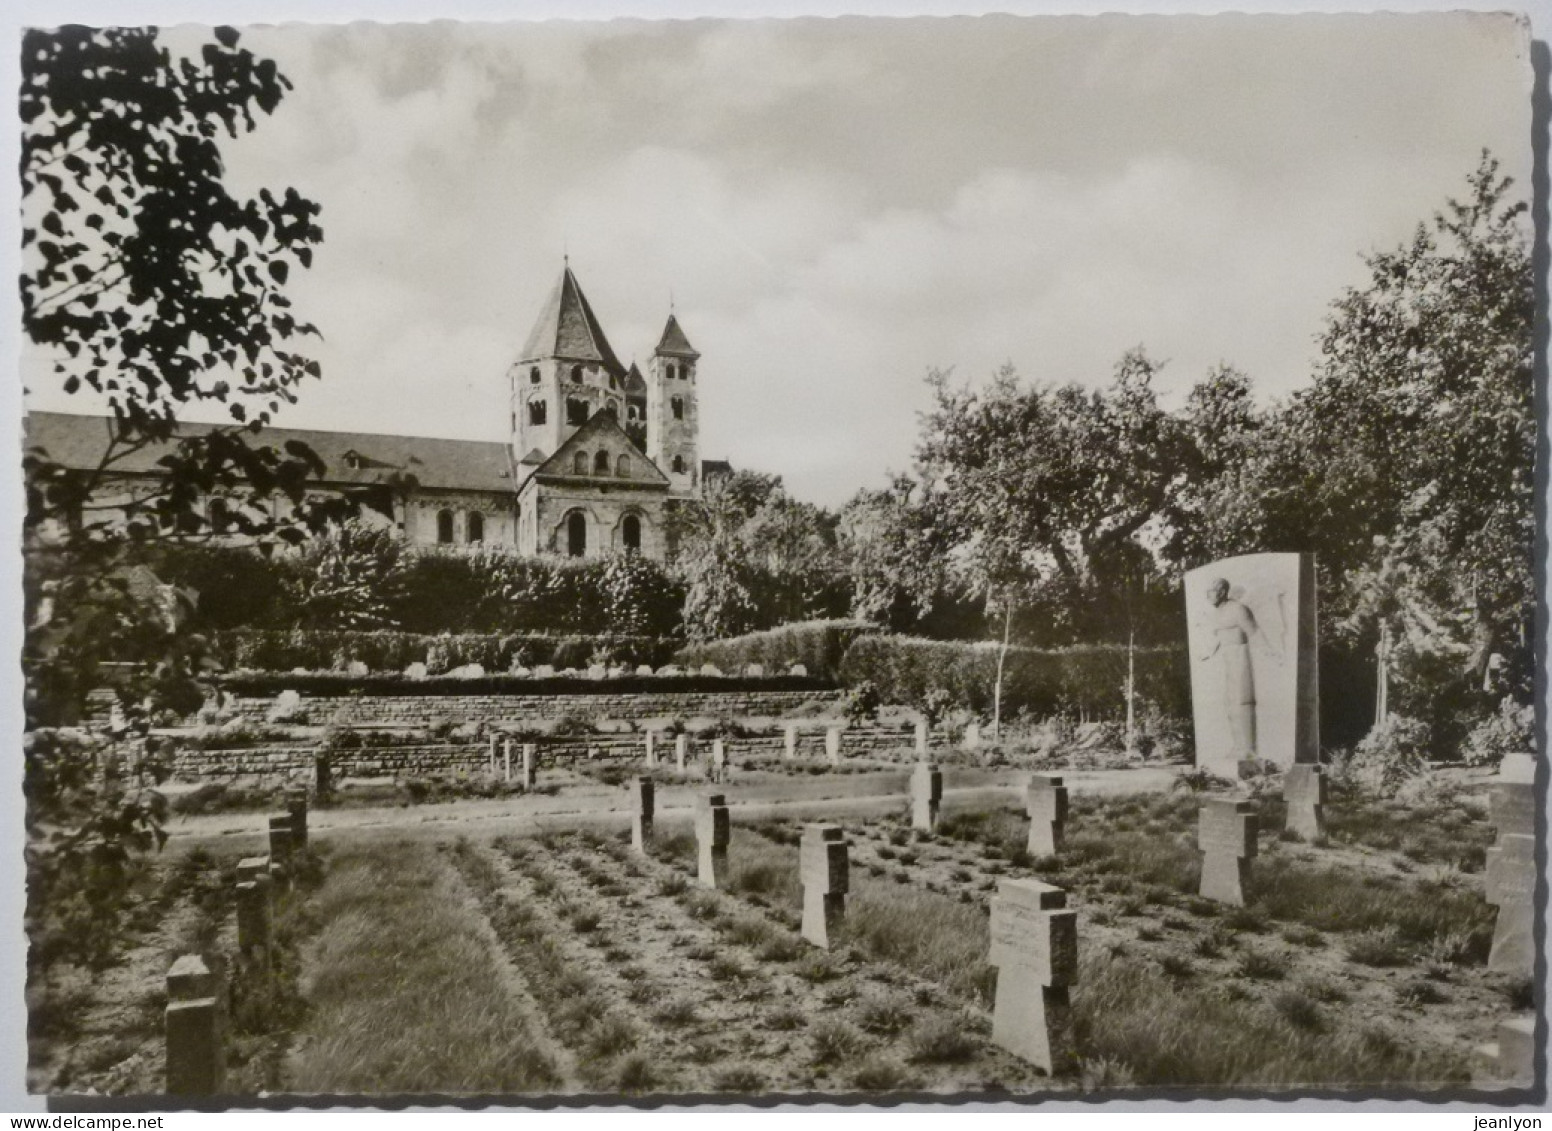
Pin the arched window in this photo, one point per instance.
(576, 374)
(579, 464)
(533, 375)
(445, 527)
(576, 534)
(678, 465)
(684, 371)
(601, 463)
(677, 404)
(622, 467)
(612, 410)
(220, 516)
(630, 531)
(673, 371)
(476, 527)
(613, 384)
(538, 412)
(576, 412)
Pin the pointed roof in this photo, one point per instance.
(635, 383)
(568, 328)
(674, 342)
(601, 423)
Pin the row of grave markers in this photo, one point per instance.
(195, 1020)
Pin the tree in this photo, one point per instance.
(892, 554)
(348, 577)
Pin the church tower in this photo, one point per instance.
(673, 419)
(565, 374)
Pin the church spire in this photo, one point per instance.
(674, 342)
(568, 329)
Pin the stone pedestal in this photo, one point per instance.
(530, 769)
(296, 817)
(1034, 945)
(822, 860)
(1304, 793)
(1226, 834)
(1511, 866)
(789, 748)
(643, 794)
(681, 748)
(926, 796)
(713, 830)
(1045, 800)
(833, 745)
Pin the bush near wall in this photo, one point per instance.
(326, 650)
(817, 645)
(1086, 681)
(331, 684)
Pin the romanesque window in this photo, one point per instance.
(630, 531)
(678, 465)
(445, 527)
(220, 516)
(576, 534)
(677, 404)
(476, 527)
(576, 374)
(622, 467)
(601, 463)
(673, 371)
(579, 463)
(538, 412)
(533, 375)
(611, 410)
(576, 413)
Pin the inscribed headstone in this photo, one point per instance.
(1034, 945)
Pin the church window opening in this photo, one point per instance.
(613, 384)
(533, 375)
(538, 412)
(601, 463)
(576, 413)
(576, 374)
(445, 527)
(476, 527)
(631, 531)
(678, 465)
(579, 463)
(576, 534)
(612, 410)
(677, 404)
(220, 516)
(622, 467)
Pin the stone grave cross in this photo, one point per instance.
(1034, 945)
(926, 795)
(1511, 865)
(1304, 792)
(712, 832)
(822, 859)
(1045, 799)
(1226, 834)
(642, 793)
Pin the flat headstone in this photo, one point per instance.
(823, 865)
(1226, 834)
(1034, 945)
(1304, 792)
(712, 832)
(1045, 800)
(1254, 662)
(643, 797)
(926, 795)
(417, 670)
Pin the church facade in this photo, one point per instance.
(597, 455)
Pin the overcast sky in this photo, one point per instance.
(838, 205)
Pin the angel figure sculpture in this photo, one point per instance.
(1233, 627)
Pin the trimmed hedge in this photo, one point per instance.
(277, 650)
(818, 645)
(1084, 680)
(320, 684)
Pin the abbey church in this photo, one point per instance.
(596, 456)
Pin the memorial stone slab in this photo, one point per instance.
(1250, 623)
(1226, 834)
(1034, 945)
(713, 830)
(1304, 792)
(926, 795)
(643, 795)
(823, 864)
(1045, 800)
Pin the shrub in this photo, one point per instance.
(875, 1075)
(321, 650)
(1509, 730)
(818, 645)
(1378, 946)
(943, 1040)
(833, 1042)
(1389, 756)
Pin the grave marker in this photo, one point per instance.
(1511, 865)
(280, 845)
(972, 736)
(1045, 800)
(789, 749)
(712, 832)
(1512, 1058)
(253, 908)
(251, 868)
(833, 745)
(681, 748)
(506, 759)
(641, 820)
(1226, 834)
(921, 739)
(718, 760)
(296, 816)
(822, 859)
(651, 748)
(530, 774)
(195, 1064)
(1304, 791)
(1034, 945)
(926, 795)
